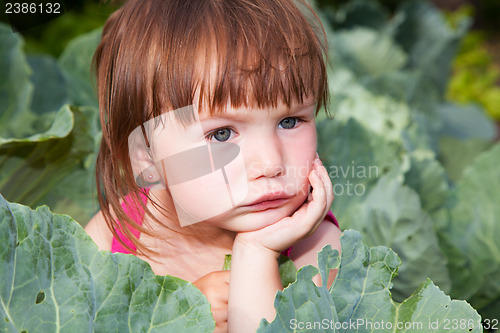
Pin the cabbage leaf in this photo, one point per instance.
(359, 300)
(53, 279)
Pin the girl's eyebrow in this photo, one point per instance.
(221, 115)
(236, 116)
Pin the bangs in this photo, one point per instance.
(158, 56)
(237, 53)
(256, 58)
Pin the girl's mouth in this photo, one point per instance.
(268, 201)
(265, 205)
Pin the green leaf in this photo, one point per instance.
(75, 63)
(46, 167)
(75, 193)
(367, 52)
(438, 314)
(47, 156)
(355, 158)
(380, 114)
(466, 122)
(357, 13)
(409, 85)
(61, 127)
(473, 229)
(429, 179)
(422, 133)
(391, 215)
(47, 149)
(53, 278)
(15, 87)
(456, 155)
(369, 297)
(287, 269)
(360, 300)
(302, 301)
(50, 92)
(428, 40)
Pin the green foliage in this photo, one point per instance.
(407, 151)
(56, 34)
(75, 62)
(476, 75)
(471, 232)
(54, 278)
(47, 145)
(360, 300)
(397, 220)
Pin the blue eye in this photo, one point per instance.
(220, 134)
(288, 123)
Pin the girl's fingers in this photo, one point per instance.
(323, 173)
(317, 207)
(321, 197)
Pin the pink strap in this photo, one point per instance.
(329, 216)
(136, 214)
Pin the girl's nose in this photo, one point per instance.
(265, 159)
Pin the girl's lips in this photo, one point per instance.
(267, 204)
(271, 200)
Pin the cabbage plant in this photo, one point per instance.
(54, 279)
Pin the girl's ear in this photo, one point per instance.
(143, 166)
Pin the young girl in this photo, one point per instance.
(236, 83)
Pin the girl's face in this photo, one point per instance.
(249, 166)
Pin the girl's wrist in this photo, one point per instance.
(255, 279)
(244, 247)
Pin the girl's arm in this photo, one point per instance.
(254, 268)
(261, 272)
(255, 279)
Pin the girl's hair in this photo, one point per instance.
(157, 55)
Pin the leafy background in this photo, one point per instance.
(402, 77)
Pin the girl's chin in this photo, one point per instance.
(257, 220)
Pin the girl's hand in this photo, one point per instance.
(303, 223)
(215, 286)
